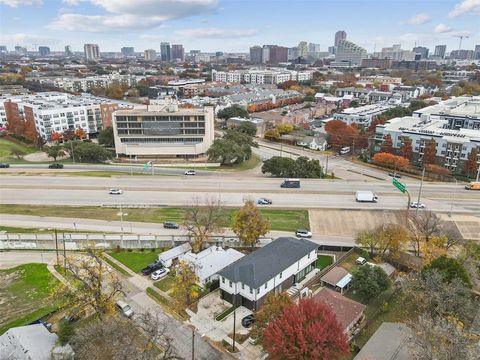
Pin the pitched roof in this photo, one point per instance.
(263, 264)
(347, 311)
(334, 276)
(28, 342)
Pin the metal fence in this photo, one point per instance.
(78, 241)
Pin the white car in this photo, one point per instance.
(416, 204)
(190, 172)
(303, 233)
(116, 191)
(264, 201)
(157, 275)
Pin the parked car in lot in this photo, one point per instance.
(264, 201)
(303, 233)
(360, 261)
(190, 172)
(170, 225)
(4, 165)
(416, 204)
(124, 308)
(248, 320)
(115, 191)
(55, 166)
(395, 175)
(151, 268)
(160, 273)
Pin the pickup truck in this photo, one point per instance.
(366, 196)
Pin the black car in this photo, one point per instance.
(395, 175)
(151, 268)
(55, 166)
(4, 165)
(248, 320)
(170, 225)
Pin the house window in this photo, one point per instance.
(251, 291)
(243, 286)
(281, 275)
(258, 291)
(266, 285)
(230, 283)
(223, 280)
(308, 257)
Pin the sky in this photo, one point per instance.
(235, 25)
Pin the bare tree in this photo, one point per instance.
(422, 227)
(94, 287)
(441, 339)
(202, 219)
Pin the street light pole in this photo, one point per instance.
(478, 173)
(420, 192)
(193, 344)
(453, 198)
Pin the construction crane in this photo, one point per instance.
(461, 37)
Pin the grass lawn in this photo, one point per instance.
(165, 284)
(136, 260)
(249, 164)
(7, 146)
(323, 261)
(25, 292)
(349, 262)
(281, 220)
(116, 267)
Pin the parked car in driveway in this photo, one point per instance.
(55, 166)
(4, 165)
(124, 308)
(303, 233)
(151, 268)
(248, 320)
(115, 191)
(416, 204)
(264, 201)
(160, 273)
(190, 172)
(170, 225)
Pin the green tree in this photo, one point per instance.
(247, 127)
(272, 134)
(227, 152)
(284, 128)
(307, 168)
(105, 137)
(88, 151)
(451, 270)
(185, 287)
(233, 111)
(65, 332)
(369, 281)
(249, 224)
(54, 151)
(279, 167)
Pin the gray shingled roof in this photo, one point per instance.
(263, 264)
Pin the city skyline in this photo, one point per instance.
(212, 25)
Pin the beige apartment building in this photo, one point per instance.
(163, 131)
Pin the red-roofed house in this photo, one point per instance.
(349, 313)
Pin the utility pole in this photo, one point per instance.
(453, 198)
(420, 192)
(234, 316)
(56, 246)
(64, 253)
(193, 344)
(71, 148)
(326, 165)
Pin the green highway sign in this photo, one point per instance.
(399, 185)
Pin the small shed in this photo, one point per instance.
(168, 257)
(338, 278)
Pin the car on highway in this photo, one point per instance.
(4, 165)
(264, 201)
(248, 321)
(416, 204)
(55, 166)
(124, 308)
(395, 175)
(170, 225)
(190, 172)
(115, 191)
(150, 268)
(160, 273)
(303, 233)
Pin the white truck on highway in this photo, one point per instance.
(366, 196)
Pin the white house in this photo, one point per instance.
(275, 267)
(167, 258)
(317, 142)
(210, 261)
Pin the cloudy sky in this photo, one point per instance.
(235, 25)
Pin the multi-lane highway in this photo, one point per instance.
(181, 191)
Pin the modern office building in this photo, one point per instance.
(454, 124)
(350, 52)
(395, 53)
(163, 130)
(268, 76)
(339, 36)
(165, 53)
(462, 54)
(3, 49)
(54, 111)
(440, 51)
(68, 50)
(20, 50)
(302, 49)
(278, 54)
(150, 55)
(178, 53)
(266, 53)
(256, 54)
(421, 52)
(477, 52)
(92, 52)
(128, 51)
(43, 50)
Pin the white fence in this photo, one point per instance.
(107, 241)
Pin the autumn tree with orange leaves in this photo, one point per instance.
(390, 160)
